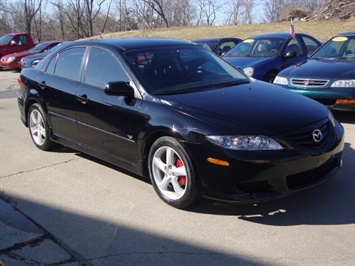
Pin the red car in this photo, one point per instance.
(13, 60)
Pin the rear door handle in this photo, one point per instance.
(83, 99)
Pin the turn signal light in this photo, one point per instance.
(344, 101)
(217, 161)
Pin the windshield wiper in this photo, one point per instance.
(201, 87)
(230, 83)
(173, 91)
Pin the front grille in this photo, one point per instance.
(309, 82)
(304, 136)
(254, 187)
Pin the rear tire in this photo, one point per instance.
(39, 128)
(172, 173)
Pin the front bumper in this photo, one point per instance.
(255, 177)
(337, 99)
(12, 65)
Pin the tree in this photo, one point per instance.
(22, 14)
(5, 25)
(208, 10)
(31, 8)
(60, 16)
(273, 10)
(158, 7)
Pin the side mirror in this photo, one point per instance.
(290, 54)
(120, 88)
(12, 42)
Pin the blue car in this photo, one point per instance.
(263, 56)
(33, 60)
(328, 76)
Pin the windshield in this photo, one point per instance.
(181, 69)
(338, 47)
(5, 39)
(258, 47)
(38, 48)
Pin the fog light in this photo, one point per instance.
(217, 161)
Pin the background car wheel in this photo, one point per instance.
(38, 127)
(172, 173)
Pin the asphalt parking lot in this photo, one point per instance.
(66, 208)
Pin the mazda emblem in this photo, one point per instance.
(317, 135)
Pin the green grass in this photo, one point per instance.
(322, 30)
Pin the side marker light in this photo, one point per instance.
(217, 161)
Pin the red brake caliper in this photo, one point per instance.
(181, 179)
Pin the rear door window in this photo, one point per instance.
(69, 63)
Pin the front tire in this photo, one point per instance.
(38, 127)
(172, 173)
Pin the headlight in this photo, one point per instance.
(280, 80)
(346, 83)
(35, 62)
(10, 59)
(249, 71)
(251, 143)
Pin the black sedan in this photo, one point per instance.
(179, 114)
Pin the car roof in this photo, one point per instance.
(133, 42)
(216, 38)
(348, 33)
(274, 34)
(52, 42)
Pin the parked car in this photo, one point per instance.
(328, 75)
(263, 56)
(13, 60)
(34, 59)
(179, 114)
(218, 45)
(15, 42)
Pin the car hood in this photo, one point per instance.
(38, 55)
(253, 108)
(243, 62)
(321, 69)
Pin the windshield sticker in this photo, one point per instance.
(249, 40)
(339, 39)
